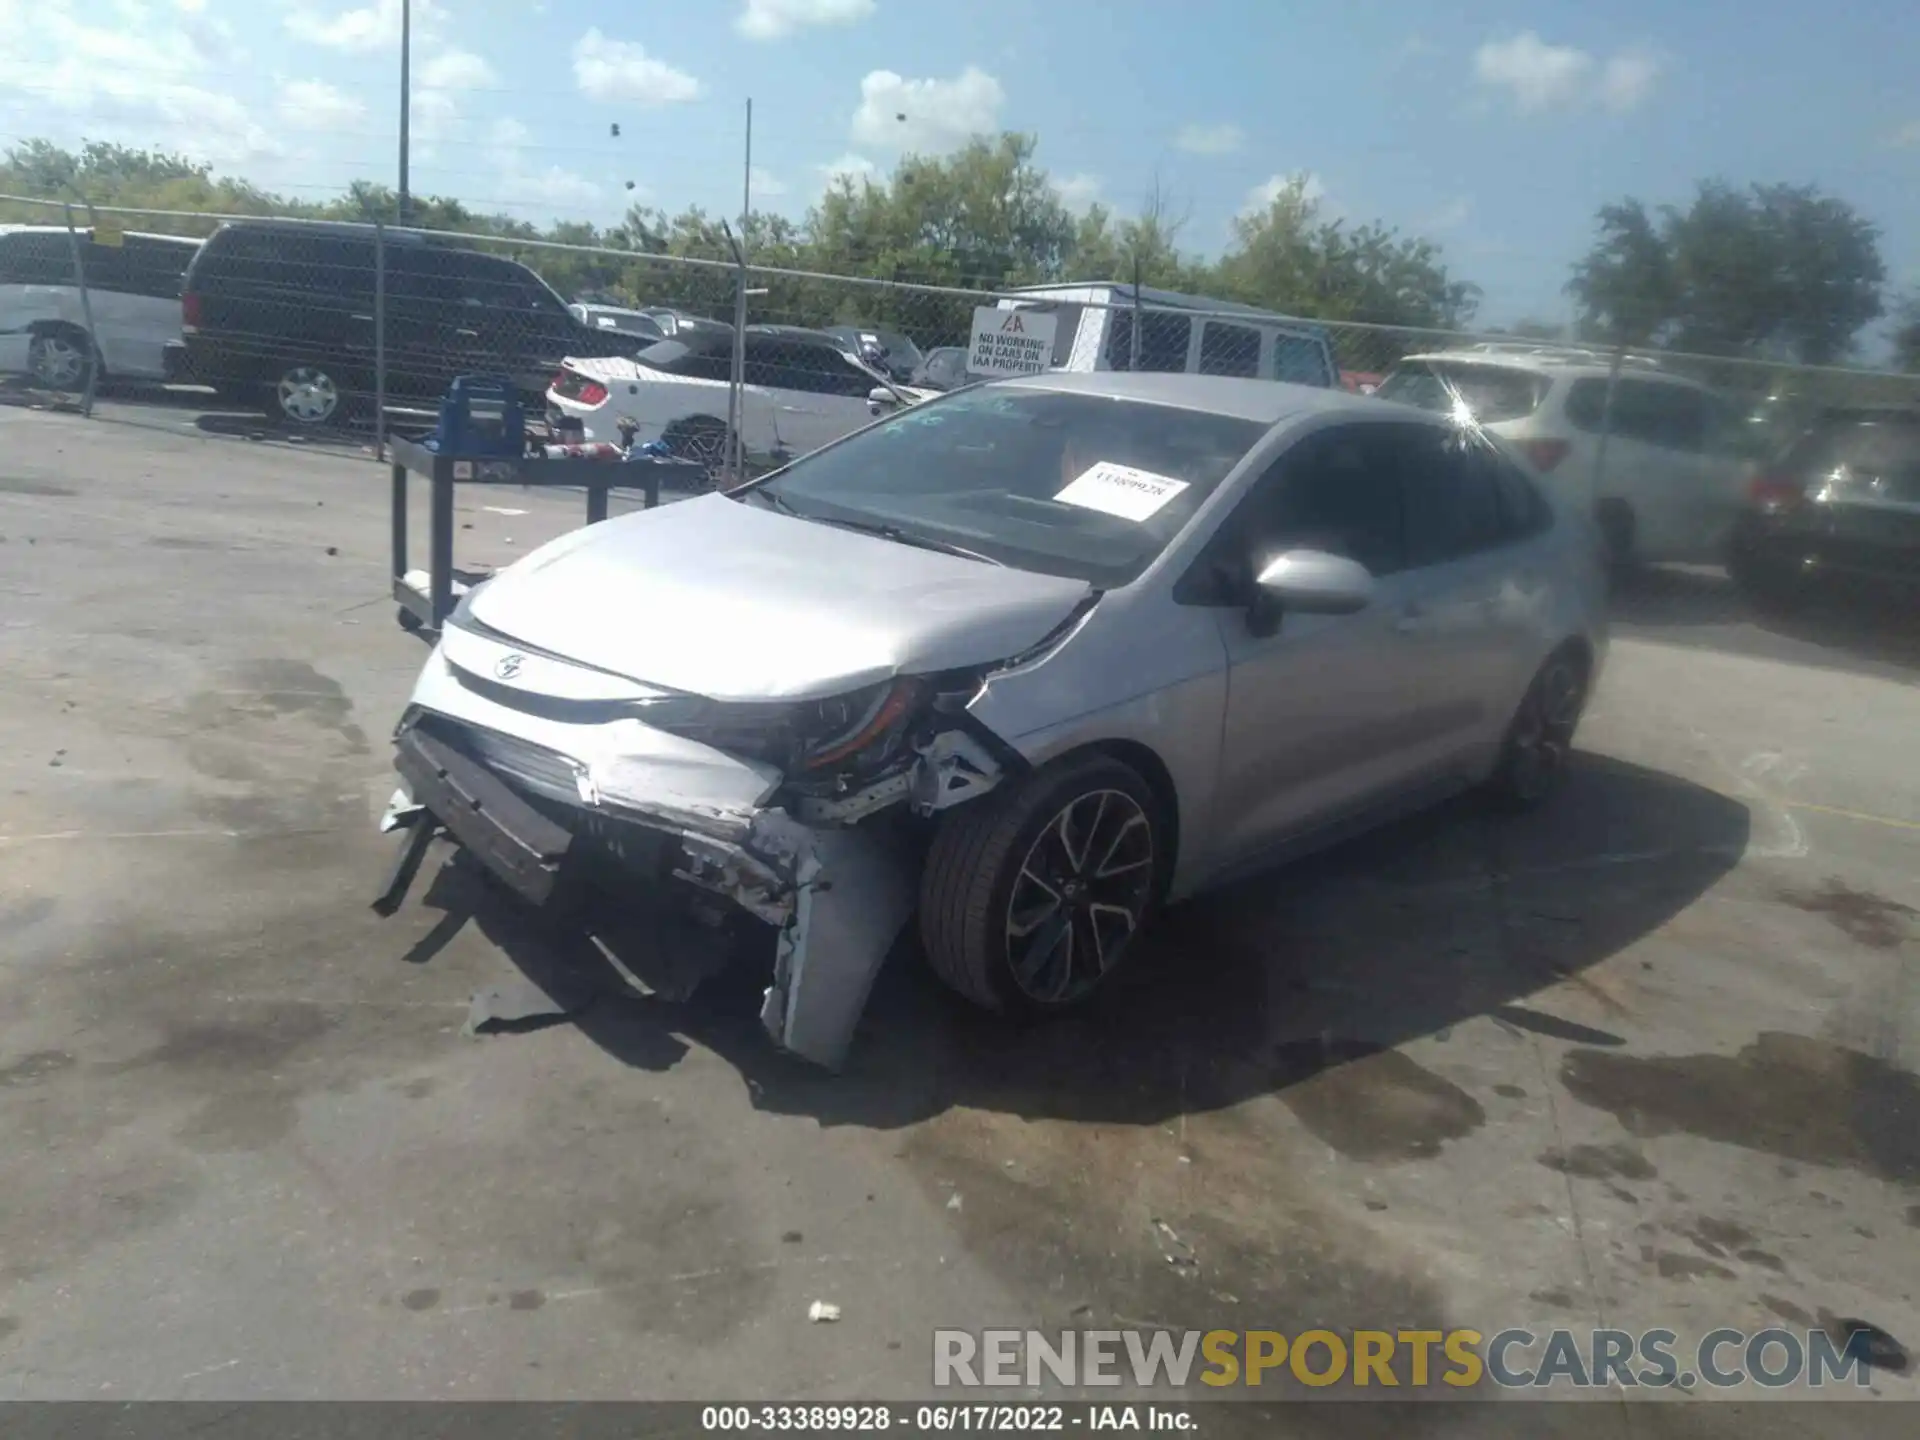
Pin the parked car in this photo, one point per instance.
(1841, 505)
(941, 369)
(614, 317)
(1674, 472)
(1032, 659)
(802, 390)
(280, 314)
(887, 351)
(1094, 331)
(133, 290)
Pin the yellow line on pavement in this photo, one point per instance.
(1851, 814)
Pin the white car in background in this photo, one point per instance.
(1674, 473)
(803, 390)
(133, 290)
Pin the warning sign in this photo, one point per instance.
(1010, 342)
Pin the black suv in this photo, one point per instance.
(1840, 504)
(281, 315)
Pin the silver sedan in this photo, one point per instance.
(1027, 662)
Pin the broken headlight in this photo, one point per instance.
(863, 730)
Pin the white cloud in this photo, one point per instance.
(140, 77)
(1261, 197)
(1538, 77)
(1628, 78)
(765, 184)
(316, 105)
(772, 19)
(374, 26)
(1079, 193)
(608, 69)
(856, 168)
(1906, 136)
(456, 70)
(926, 116)
(1210, 139)
(1450, 216)
(524, 179)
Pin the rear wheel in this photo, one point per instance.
(60, 359)
(307, 394)
(1032, 895)
(699, 438)
(1539, 744)
(1769, 583)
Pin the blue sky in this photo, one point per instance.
(1496, 129)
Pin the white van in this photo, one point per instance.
(1096, 332)
(133, 289)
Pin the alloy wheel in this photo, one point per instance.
(57, 362)
(1080, 894)
(307, 394)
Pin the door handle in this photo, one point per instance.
(367, 318)
(468, 334)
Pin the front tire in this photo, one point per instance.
(1032, 894)
(1538, 749)
(60, 359)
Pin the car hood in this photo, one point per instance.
(734, 601)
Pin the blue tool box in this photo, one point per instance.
(480, 417)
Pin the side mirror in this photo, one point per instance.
(1311, 582)
(880, 400)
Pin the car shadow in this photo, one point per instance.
(1404, 933)
(1842, 628)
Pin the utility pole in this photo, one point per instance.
(406, 97)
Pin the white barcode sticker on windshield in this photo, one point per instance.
(1121, 490)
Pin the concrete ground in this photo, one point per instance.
(1644, 1059)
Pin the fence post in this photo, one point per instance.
(1599, 470)
(86, 314)
(1134, 356)
(379, 339)
(736, 384)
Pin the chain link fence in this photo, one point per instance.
(329, 324)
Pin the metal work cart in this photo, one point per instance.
(426, 599)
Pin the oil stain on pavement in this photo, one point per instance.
(1788, 1095)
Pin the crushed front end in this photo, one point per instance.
(555, 774)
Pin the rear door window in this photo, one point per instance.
(1229, 349)
(155, 268)
(36, 257)
(1300, 360)
(1165, 338)
(1490, 393)
(1877, 459)
(1453, 500)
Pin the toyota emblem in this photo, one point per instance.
(507, 666)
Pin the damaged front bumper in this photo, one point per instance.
(529, 795)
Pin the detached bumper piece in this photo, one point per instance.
(835, 897)
(519, 844)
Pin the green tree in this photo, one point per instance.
(1287, 257)
(1773, 271)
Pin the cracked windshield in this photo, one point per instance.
(852, 715)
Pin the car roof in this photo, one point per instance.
(1552, 360)
(1265, 401)
(88, 230)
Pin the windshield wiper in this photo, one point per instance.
(904, 537)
